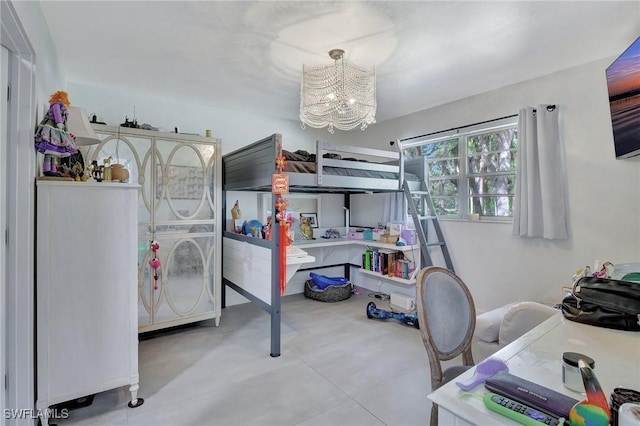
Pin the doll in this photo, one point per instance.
(235, 216)
(52, 136)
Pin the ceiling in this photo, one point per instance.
(248, 54)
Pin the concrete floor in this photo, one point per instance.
(336, 368)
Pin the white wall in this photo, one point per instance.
(235, 128)
(49, 76)
(604, 199)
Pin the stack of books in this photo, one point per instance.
(387, 262)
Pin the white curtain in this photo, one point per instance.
(393, 207)
(539, 206)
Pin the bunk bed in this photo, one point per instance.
(250, 265)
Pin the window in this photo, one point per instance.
(471, 171)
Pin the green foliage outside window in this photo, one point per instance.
(485, 161)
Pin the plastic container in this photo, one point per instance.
(627, 272)
(571, 377)
(629, 414)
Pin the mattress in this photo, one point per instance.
(297, 162)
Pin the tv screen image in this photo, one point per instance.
(623, 83)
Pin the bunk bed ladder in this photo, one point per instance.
(423, 212)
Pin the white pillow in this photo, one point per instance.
(488, 323)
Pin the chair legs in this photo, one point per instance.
(434, 415)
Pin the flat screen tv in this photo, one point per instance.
(623, 83)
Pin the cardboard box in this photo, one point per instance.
(388, 239)
(394, 228)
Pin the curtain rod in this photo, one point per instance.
(549, 108)
(458, 128)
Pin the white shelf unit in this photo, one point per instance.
(323, 249)
(410, 282)
(86, 310)
(180, 178)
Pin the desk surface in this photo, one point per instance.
(537, 357)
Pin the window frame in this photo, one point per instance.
(463, 197)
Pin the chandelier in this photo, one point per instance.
(341, 96)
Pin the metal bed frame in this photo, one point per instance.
(250, 169)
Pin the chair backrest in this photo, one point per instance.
(447, 318)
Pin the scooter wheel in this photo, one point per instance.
(370, 306)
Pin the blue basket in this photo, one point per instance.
(323, 282)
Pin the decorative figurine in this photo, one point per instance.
(106, 170)
(305, 228)
(266, 229)
(51, 136)
(236, 225)
(131, 124)
(155, 262)
(252, 228)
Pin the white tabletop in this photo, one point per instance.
(537, 357)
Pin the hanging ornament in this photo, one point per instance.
(155, 262)
(279, 186)
(280, 163)
(281, 206)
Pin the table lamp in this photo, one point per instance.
(78, 125)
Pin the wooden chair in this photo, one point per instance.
(447, 318)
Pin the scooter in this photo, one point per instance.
(408, 319)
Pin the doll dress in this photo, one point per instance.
(49, 139)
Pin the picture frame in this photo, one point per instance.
(312, 217)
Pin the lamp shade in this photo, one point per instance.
(78, 125)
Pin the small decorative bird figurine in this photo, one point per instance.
(305, 229)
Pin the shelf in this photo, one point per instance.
(387, 277)
(378, 244)
(331, 242)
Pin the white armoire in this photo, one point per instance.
(86, 291)
(179, 199)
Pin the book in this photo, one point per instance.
(386, 259)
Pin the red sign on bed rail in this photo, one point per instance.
(279, 183)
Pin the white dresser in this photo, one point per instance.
(86, 291)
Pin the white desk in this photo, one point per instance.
(537, 357)
(338, 251)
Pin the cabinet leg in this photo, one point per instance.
(43, 416)
(135, 401)
(216, 321)
(43, 412)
